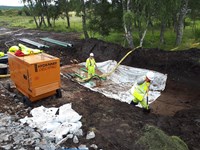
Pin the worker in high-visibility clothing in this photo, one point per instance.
(140, 91)
(13, 48)
(91, 65)
(2, 54)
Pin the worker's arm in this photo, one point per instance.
(140, 81)
(87, 63)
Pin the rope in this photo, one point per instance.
(194, 45)
(108, 74)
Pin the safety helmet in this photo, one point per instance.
(91, 54)
(150, 75)
(13, 48)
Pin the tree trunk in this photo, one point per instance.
(40, 22)
(144, 34)
(84, 21)
(54, 22)
(129, 37)
(180, 22)
(36, 23)
(46, 10)
(43, 20)
(162, 31)
(31, 8)
(68, 20)
(139, 29)
(128, 28)
(48, 21)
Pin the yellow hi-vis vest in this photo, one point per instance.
(141, 90)
(90, 62)
(2, 54)
(27, 50)
(13, 48)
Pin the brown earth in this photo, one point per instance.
(118, 125)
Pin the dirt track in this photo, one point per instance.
(118, 125)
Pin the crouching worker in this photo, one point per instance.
(91, 65)
(140, 91)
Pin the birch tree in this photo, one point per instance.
(180, 21)
(39, 9)
(65, 7)
(128, 20)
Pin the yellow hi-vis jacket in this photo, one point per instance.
(141, 90)
(90, 65)
(2, 54)
(90, 62)
(27, 50)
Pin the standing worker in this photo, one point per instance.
(91, 65)
(140, 91)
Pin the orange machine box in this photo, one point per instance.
(35, 76)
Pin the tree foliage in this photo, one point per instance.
(135, 17)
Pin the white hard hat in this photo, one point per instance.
(150, 75)
(91, 54)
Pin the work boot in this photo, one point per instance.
(133, 103)
(146, 111)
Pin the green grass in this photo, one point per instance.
(28, 22)
(156, 139)
(191, 37)
(17, 21)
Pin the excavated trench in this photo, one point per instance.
(176, 111)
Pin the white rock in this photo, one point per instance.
(79, 132)
(90, 135)
(83, 147)
(37, 148)
(94, 146)
(75, 139)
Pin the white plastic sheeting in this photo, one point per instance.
(56, 121)
(118, 84)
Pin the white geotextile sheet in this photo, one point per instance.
(56, 121)
(118, 84)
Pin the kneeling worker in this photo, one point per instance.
(91, 65)
(140, 90)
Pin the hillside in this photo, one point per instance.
(10, 7)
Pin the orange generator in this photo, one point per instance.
(36, 76)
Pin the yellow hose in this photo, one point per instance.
(4, 75)
(107, 74)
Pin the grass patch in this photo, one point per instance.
(156, 139)
(28, 22)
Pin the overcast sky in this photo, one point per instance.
(11, 2)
